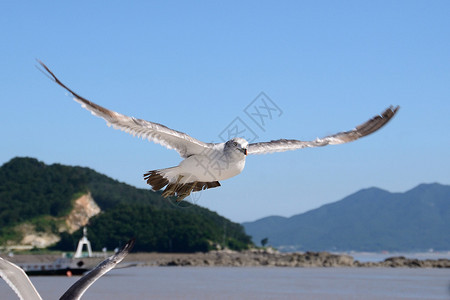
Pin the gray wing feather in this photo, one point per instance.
(339, 138)
(19, 282)
(184, 144)
(78, 288)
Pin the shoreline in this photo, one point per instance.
(271, 258)
(250, 258)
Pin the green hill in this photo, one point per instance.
(40, 194)
(369, 220)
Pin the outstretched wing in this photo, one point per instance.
(160, 134)
(339, 138)
(16, 278)
(78, 288)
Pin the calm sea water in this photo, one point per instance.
(253, 283)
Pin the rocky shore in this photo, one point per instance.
(256, 258)
(271, 258)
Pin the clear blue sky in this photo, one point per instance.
(328, 65)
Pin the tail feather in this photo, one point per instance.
(156, 180)
(178, 185)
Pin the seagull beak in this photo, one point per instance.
(243, 150)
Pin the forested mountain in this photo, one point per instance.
(369, 220)
(36, 193)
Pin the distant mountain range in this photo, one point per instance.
(39, 201)
(369, 220)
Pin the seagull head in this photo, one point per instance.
(237, 145)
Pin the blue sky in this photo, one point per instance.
(195, 67)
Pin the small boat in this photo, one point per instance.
(76, 265)
(61, 266)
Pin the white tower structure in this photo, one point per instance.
(83, 241)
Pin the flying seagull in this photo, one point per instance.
(18, 280)
(205, 164)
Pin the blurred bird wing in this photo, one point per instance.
(18, 281)
(79, 288)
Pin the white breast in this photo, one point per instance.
(212, 166)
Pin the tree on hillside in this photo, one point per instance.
(264, 241)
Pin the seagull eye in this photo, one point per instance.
(234, 144)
